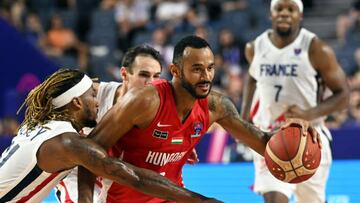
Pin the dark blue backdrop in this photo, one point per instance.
(18, 57)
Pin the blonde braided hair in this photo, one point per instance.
(40, 109)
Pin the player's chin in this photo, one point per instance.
(91, 123)
(202, 94)
(283, 31)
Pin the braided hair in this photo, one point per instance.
(40, 109)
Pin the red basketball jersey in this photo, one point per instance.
(162, 147)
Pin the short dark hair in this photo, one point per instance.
(142, 50)
(188, 41)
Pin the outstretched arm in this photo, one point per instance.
(223, 111)
(84, 152)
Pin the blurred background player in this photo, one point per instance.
(290, 67)
(48, 145)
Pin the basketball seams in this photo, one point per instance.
(314, 157)
(294, 170)
(286, 149)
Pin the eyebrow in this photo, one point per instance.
(197, 64)
(147, 72)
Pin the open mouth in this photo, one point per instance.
(204, 87)
(283, 24)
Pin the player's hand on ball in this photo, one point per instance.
(294, 111)
(305, 127)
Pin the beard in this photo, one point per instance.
(283, 33)
(89, 121)
(191, 88)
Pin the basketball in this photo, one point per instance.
(292, 157)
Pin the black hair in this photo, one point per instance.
(188, 41)
(143, 50)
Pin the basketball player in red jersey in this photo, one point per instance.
(140, 66)
(48, 146)
(156, 127)
(289, 69)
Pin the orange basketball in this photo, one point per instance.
(292, 157)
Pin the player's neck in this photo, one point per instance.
(120, 91)
(183, 99)
(282, 41)
(77, 125)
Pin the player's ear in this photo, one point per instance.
(123, 73)
(174, 70)
(301, 16)
(77, 102)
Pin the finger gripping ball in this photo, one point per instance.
(292, 157)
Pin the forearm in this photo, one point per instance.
(338, 101)
(248, 134)
(148, 182)
(86, 182)
(96, 160)
(248, 94)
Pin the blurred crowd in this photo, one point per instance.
(92, 35)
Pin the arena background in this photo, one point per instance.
(39, 36)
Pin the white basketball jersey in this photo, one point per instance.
(67, 188)
(21, 179)
(284, 77)
(106, 95)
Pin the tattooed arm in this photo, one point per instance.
(69, 150)
(223, 111)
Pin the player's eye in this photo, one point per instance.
(144, 75)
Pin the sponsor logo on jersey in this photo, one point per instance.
(162, 125)
(162, 158)
(289, 70)
(198, 126)
(160, 134)
(297, 52)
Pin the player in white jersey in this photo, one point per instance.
(48, 145)
(140, 66)
(289, 69)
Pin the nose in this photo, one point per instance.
(150, 80)
(284, 12)
(207, 75)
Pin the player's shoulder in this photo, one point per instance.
(320, 48)
(214, 99)
(141, 96)
(250, 45)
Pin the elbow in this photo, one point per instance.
(344, 99)
(340, 98)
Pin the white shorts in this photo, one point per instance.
(312, 190)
